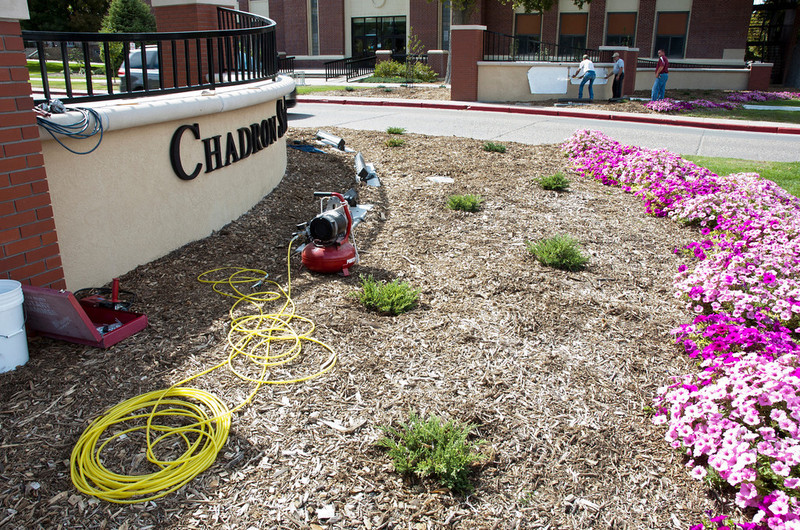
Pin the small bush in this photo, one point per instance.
(433, 449)
(395, 130)
(494, 148)
(349, 88)
(393, 298)
(396, 70)
(561, 252)
(557, 182)
(465, 203)
(395, 142)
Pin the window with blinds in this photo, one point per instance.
(572, 31)
(671, 34)
(621, 29)
(528, 32)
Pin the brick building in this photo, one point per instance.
(315, 31)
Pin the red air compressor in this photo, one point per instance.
(329, 248)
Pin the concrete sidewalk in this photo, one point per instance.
(595, 114)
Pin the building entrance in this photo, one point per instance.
(371, 34)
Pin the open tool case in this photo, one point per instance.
(59, 315)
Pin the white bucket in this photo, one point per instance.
(13, 342)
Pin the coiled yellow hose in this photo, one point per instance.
(182, 428)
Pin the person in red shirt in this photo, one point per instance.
(662, 74)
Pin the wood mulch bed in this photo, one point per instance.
(556, 368)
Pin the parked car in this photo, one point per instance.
(291, 99)
(137, 73)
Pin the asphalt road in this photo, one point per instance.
(533, 129)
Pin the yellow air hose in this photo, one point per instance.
(182, 429)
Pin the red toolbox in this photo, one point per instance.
(59, 315)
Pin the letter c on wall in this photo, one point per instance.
(175, 151)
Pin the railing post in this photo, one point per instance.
(467, 49)
(29, 250)
(184, 15)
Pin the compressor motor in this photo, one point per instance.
(330, 246)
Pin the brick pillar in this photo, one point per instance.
(437, 60)
(28, 241)
(760, 75)
(188, 15)
(630, 57)
(382, 56)
(645, 27)
(550, 26)
(467, 48)
(597, 24)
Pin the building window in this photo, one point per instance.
(620, 29)
(572, 33)
(528, 30)
(378, 33)
(314, 27)
(671, 34)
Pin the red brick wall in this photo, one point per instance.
(715, 25)
(425, 22)
(597, 24)
(28, 242)
(292, 32)
(498, 17)
(645, 25)
(331, 27)
(550, 26)
(195, 17)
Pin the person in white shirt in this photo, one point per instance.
(587, 72)
(619, 75)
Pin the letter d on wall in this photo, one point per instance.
(175, 151)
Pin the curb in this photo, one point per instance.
(725, 125)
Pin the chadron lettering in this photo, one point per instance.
(222, 150)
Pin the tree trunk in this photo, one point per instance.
(458, 17)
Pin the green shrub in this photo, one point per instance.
(396, 70)
(395, 130)
(349, 88)
(466, 203)
(392, 298)
(494, 148)
(561, 252)
(433, 449)
(395, 142)
(557, 182)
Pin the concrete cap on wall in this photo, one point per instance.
(456, 28)
(221, 3)
(14, 10)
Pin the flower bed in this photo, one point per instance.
(735, 100)
(738, 418)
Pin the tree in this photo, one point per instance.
(65, 15)
(129, 16)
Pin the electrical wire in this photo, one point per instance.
(188, 418)
(86, 127)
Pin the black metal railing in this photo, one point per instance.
(651, 63)
(286, 65)
(350, 67)
(502, 47)
(97, 66)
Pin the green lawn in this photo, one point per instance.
(782, 116)
(310, 89)
(785, 174)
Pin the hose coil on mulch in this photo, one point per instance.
(179, 431)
